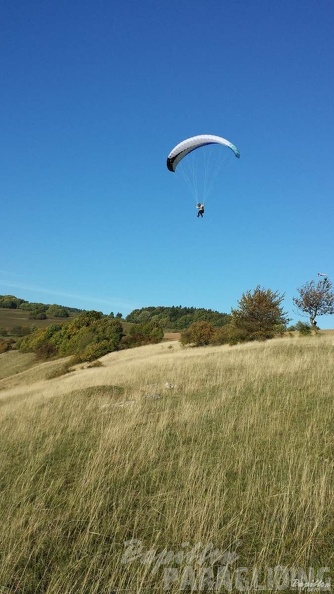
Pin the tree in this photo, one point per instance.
(260, 315)
(177, 317)
(315, 299)
(198, 334)
(144, 316)
(57, 311)
(146, 333)
(10, 301)
(37, 314)
(87, 337)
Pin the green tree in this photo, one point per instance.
(87, 337)
(146, 333)
(260, 315)
(10, 301)
(177, 317)
(37, 314)
(89, 342)
(57, 311)
(315, 299)
(144, 316)
(303, 328)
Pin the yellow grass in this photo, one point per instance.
(218, 448)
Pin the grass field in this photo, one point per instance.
(14, 318)
(214, 465)
(9, 318)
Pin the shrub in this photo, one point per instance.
(87, 337)
(57, 311)
(36, 314)
(6, 344)
(62, 370)
(45, 350)
(303, 328)
(94, 364)
(10, 301)
(146, 333)
(228, 334)
(198, 334)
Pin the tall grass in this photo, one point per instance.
(234, 454)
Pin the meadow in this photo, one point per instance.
(14, 318)
(164, 468)
(11, 319)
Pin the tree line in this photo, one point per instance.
(177, 317)
(87, 337)
(91, 334)
(37, 311)
(260, 316)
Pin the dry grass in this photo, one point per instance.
(14, 362)
(237, 451)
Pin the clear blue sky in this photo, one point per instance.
(94, 95)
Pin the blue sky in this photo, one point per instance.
(93, 97)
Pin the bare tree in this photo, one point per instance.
(316, 299)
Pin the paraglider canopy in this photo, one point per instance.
(190, 144)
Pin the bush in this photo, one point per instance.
(96, 363)
(198, 334)
(10, 301)
(87, 337)
(57, 311)
(6, 344)
(303, 328)
(36, 314)
(228, 334)
(62, 370)
(45, 350)
(146, 333)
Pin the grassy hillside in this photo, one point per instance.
(213, 457)
(9, 318)
(20, 317)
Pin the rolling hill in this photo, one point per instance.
(165, 464)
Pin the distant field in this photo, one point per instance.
(19, 317)
(9, 318)
(167, 466)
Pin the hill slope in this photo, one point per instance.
(228, 446)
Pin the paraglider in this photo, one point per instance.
(190, 144)
(200, 209)
(199, 173)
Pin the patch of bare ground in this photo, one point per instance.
(172, 336)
